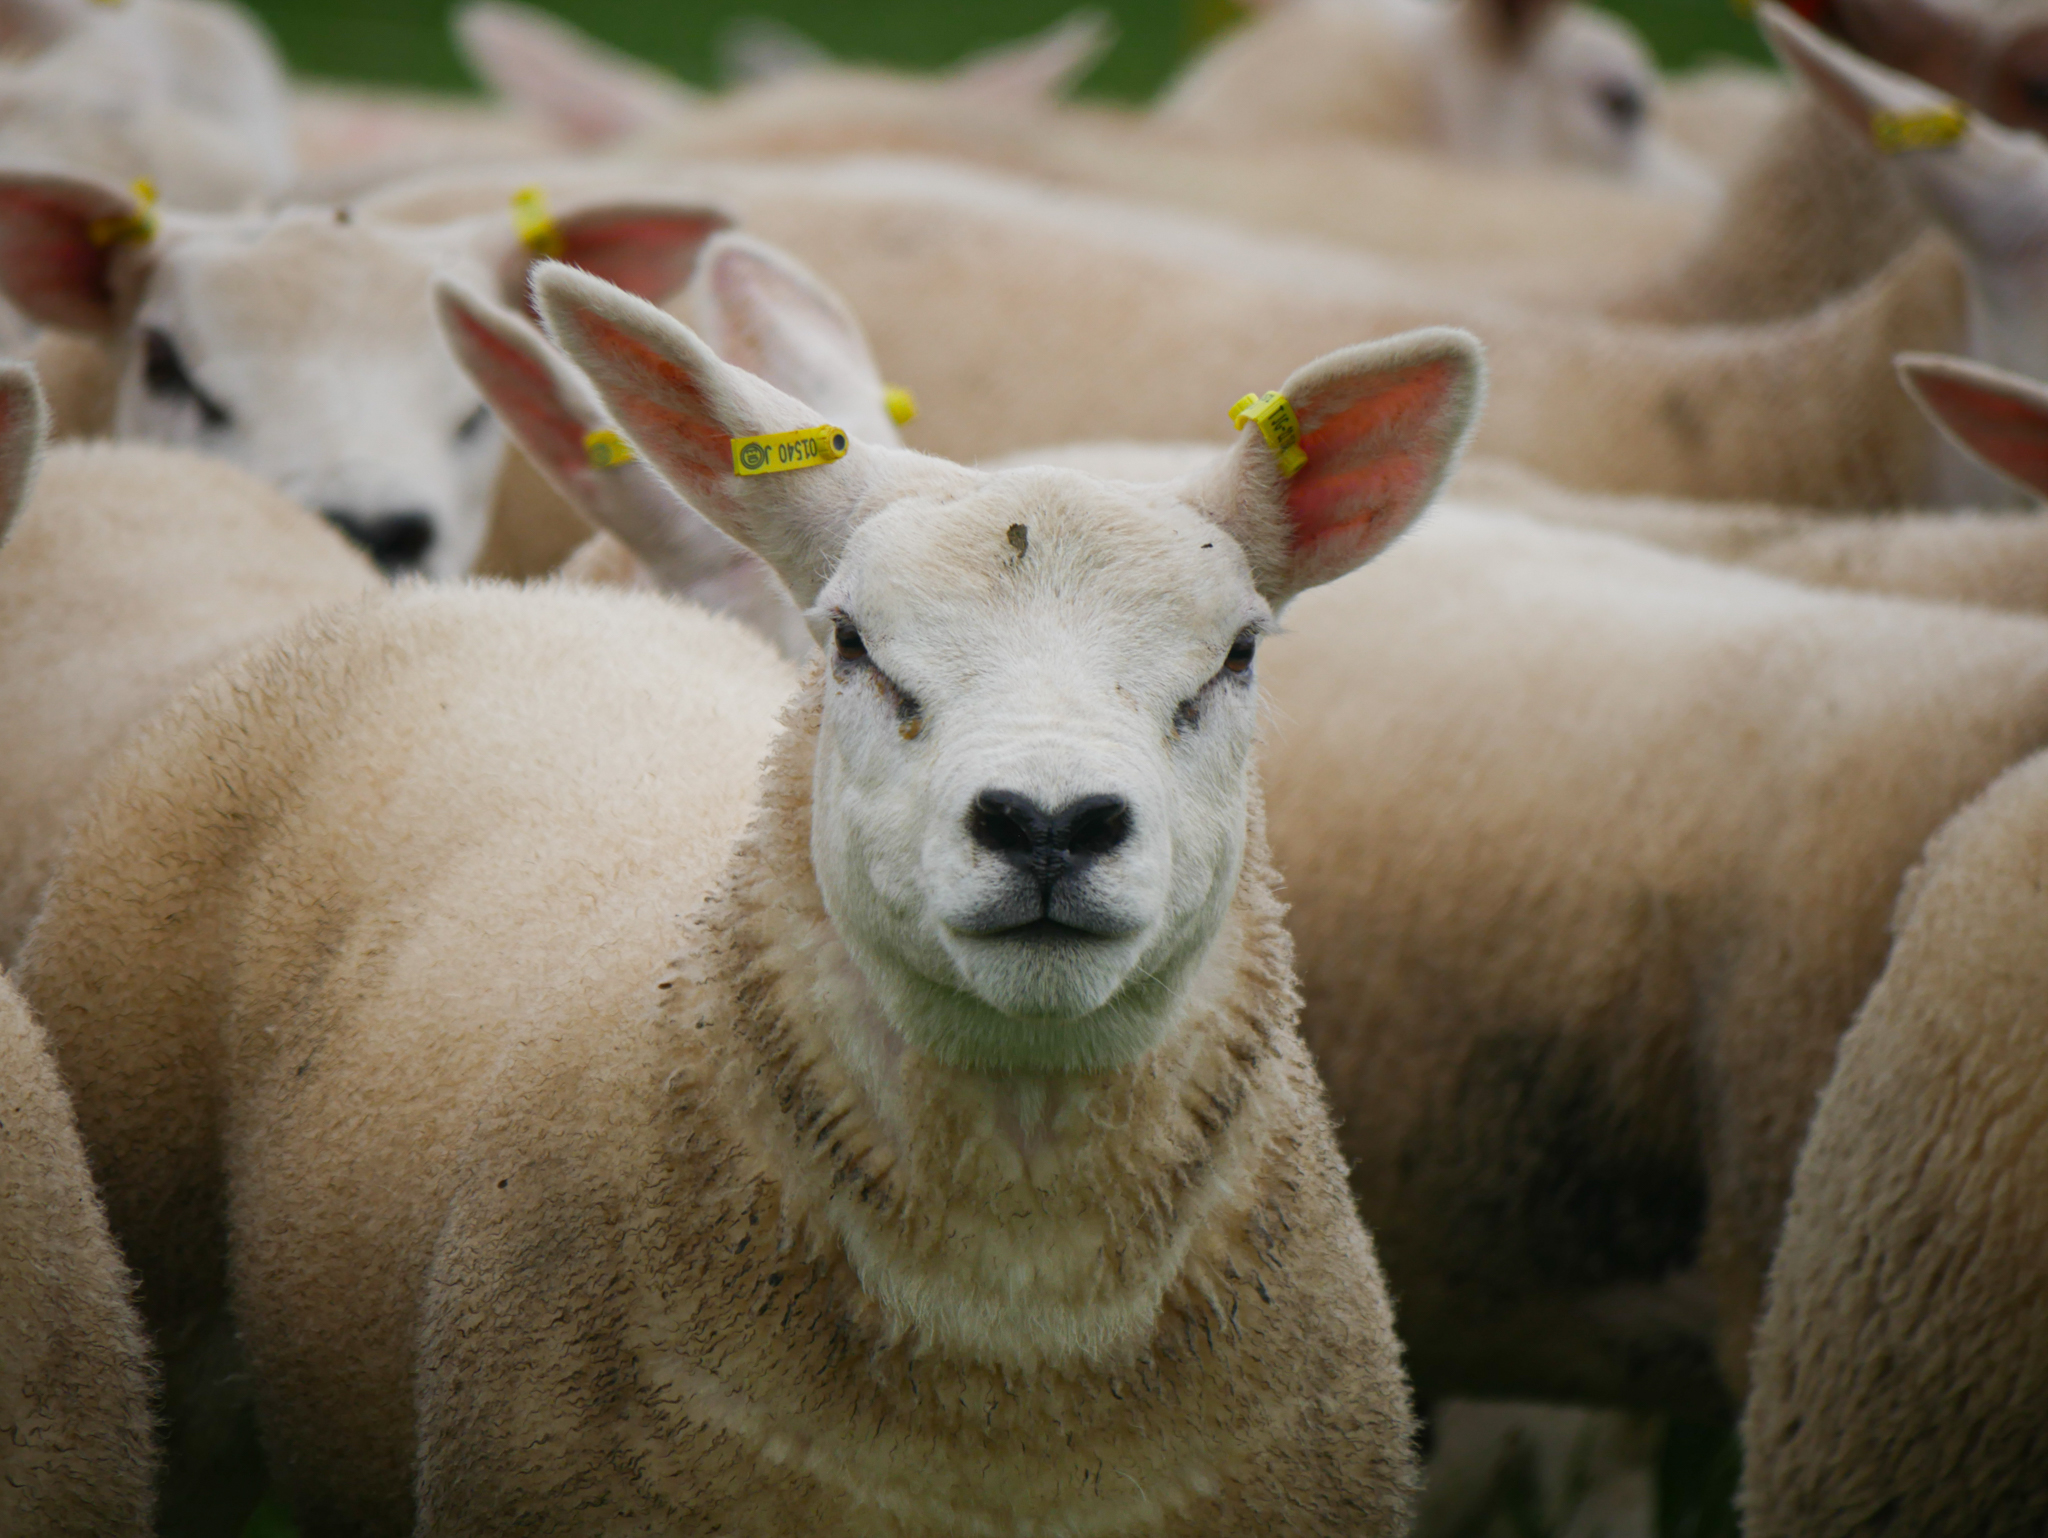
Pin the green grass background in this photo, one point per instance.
(406, 41)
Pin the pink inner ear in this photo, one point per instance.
(1370, 460)
(2010, 433)
(659, 403)
(48, 262)
(522, 392)
(646, 252)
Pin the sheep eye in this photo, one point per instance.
(473, 424)
(846, 640)
(1239, 659)
(166, 377)
(1623, 105)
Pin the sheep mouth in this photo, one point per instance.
(1042, 931)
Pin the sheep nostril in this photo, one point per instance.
(1093, 826)
(1007, 823)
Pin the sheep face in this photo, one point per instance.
(1032, 768)
(304, 349)
(1031, 794)
(302, 345)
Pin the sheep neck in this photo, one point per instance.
(1008, 1222)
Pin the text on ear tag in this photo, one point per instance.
(771, 453)
(901, 404)
(1277, 425)
(606, 450)
(1932, 128)
(137, 227)
(536, 227)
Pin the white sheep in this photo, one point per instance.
(300, 345)
(1511, 82)
(1902, 1363)
(188, 94)
(1523, 225)
(77, 1457)
(1011, 1202)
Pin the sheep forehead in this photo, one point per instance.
(1130, 576)
(1586, 43)
(304, 278)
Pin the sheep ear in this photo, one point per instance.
(588, 93)
(647, 248)
(754, 49)
(1994, 416)
(62, 244)
(763, 310)
(1939, 43)
(24, 423)
(1045, 67)
(682, 407)
(1382, 426)
(554, 415)
(1986, 185)
(28, 27)
(2019, 78)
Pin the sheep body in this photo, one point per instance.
(1903, 1362)
(130, 572)
(76, 1453)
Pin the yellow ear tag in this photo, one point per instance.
(537, 229)
(1276, 424)
(901, 403)
(1933, 128)
(772, 453)
(137, 227)
(606, 450)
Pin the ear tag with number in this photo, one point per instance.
(1277, 424)
(772, 453)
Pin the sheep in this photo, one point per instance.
(299, 344)
(76, 1454)
(1498, 225)
(757, 308)
(1901, 1365)
(130, 572)
(1172, 1320)
(188, 94)
(972, 289)
(1511, 82)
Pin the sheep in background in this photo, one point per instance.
(1509, 82)
(188, 94)
(300, 345)
(633, 728)
(76, 1453)
(1496, 225)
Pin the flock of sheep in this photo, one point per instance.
(907, 922)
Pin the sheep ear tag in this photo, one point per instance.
(772, 453)
(1277, 424)
(1935, 128)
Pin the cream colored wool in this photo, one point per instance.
(1561, 230)
(129, 573)
(1021, 317)
(76, 1454)
(1590, 852)
(1902, 1365)
(632, 727)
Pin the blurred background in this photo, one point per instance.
(405, 42)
